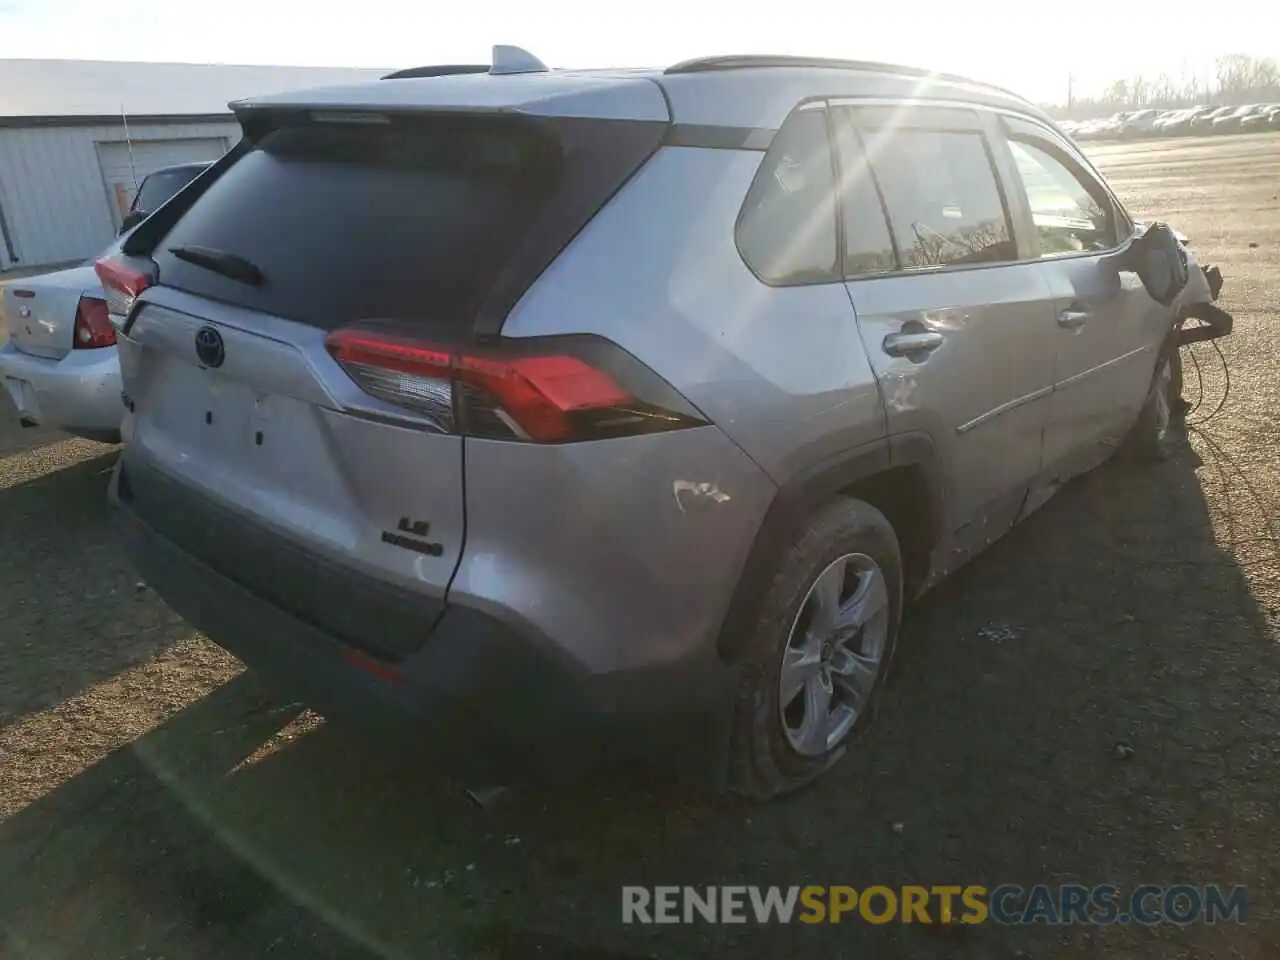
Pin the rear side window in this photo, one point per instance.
(409, 219)
(943, 198)
(157, 188)
(787, 229)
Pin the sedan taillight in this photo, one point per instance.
(93, 326)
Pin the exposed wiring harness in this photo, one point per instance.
(1223, 460)
(1189, 351)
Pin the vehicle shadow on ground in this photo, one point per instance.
(1111, 619)
(19, 441)
(74, 614)
(16, 439)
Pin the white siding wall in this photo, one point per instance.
(55, 201)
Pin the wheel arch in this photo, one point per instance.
(901, 476)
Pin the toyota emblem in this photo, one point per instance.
(209, 347)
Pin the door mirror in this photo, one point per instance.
(132, 219)
(1160, 263)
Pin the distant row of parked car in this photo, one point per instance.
(1152, 122)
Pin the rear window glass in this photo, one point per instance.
(407, 220)
(160, 186)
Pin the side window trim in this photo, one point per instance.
(956, 118)
(837, 178)
(1025, 234)
(1025, 237)
(960, 118)
(844, 129)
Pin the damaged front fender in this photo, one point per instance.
(1172, 275)
(1198, 301)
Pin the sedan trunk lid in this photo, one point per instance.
(41, 311)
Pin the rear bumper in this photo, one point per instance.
(492, 701)
(79, 393)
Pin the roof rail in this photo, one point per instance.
(440, 70)
(757, 61)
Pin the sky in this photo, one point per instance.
(1031, 48)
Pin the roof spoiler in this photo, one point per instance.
(506, 60)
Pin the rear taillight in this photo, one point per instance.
(93, 326)
(122, 283)
(544, 390)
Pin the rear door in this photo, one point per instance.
(959, 333)
(1107, 329)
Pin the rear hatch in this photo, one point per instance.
(41, 311)
(242, 417)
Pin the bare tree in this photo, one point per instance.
(974, 243)
(1140, 91)
(1235, 79)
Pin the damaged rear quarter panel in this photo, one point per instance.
(625, 551)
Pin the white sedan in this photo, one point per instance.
(59, 364)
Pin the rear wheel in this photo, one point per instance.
(816, 662)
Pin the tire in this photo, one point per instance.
(775, 747)
(1158, 431)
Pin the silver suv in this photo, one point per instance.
(543, 408)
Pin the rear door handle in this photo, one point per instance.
(1073, 319)
(911, 344)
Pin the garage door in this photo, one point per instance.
(123, 169)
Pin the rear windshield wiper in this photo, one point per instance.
(227, 264)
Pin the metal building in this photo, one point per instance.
(76, 137)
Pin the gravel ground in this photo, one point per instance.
(156, 803)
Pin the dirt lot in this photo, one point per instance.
(155, 803)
